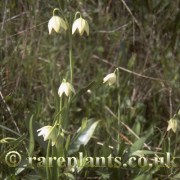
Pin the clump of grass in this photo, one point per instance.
(139, 38)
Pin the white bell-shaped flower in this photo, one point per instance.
(48, 133)
(172, 124)
(56, 23)
(110, 79)
(82, 25)
(65, 88)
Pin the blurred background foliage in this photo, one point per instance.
(139, 36)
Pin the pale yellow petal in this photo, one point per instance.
(47, 135)
(67, 90)
(50, 27)
(87, 28)
(61, 89)
(172, 124)
(110, 79)
(56, 23)
(63, 24)
(81, 26)
(75, 25)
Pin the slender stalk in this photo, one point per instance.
(47, 163)
(70, 57)
(118, 138)
(56, 9)
(67, 114)
(55, 171)
(60, 109)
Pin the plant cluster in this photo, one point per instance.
(102, 82)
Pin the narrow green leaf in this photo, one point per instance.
(137, 145)
(14, 144)
(69, 176)
(10, 130)
(82, 137)
(67, 142)
(7, 140)
(142, 153)
(82, 91)
(85, 135)
(84, 124)
(31, 136)
(143, 176)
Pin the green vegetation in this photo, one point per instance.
(137, 114)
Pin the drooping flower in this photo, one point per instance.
(66, 88)
(110, 79)
(81, 25)
(56, 23)
(48, 133)
(172, 124)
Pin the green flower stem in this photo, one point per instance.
(60, 109)
(76, 15)
(60, 116)
(55, 171)
(119, 113)
(70, 57)
(47, 156)
(66, 122)
(56, 9)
